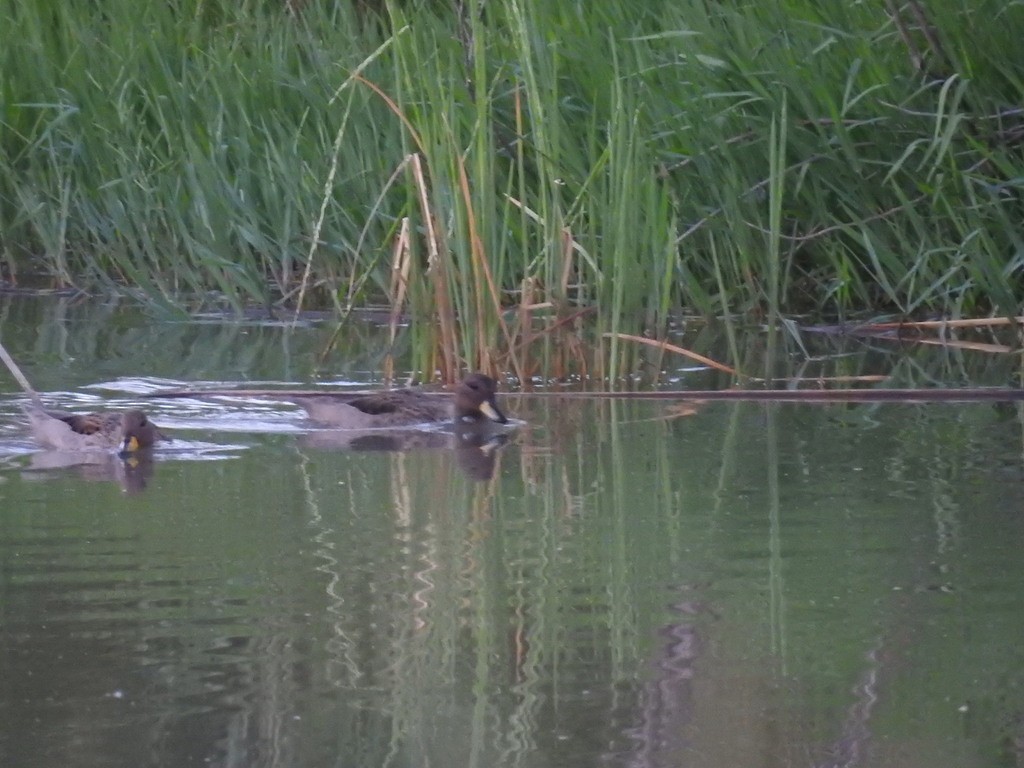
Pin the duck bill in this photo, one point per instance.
(490, 410)
(131, 444)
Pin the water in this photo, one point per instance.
(626, 584)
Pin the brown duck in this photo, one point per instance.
(127, 431)
(124, 431)
(474, 402)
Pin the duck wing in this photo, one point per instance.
(91, 423)
(380, 403)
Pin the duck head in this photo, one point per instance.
(476, 399)
(139, 432)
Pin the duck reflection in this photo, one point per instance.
(476, 449)
(132, 472)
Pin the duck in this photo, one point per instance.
(125, 431)
(474, 403)
(128, 431)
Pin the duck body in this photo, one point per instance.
(474, 402)
(123, 431)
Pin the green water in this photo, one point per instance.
(636, 584)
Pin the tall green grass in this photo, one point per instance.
(530, 181)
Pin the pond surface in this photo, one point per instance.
(621, 584)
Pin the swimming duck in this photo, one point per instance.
(129, 431)
(474, 402)
(126, 431)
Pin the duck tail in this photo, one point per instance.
(19, 376)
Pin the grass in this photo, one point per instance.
(530, 182)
